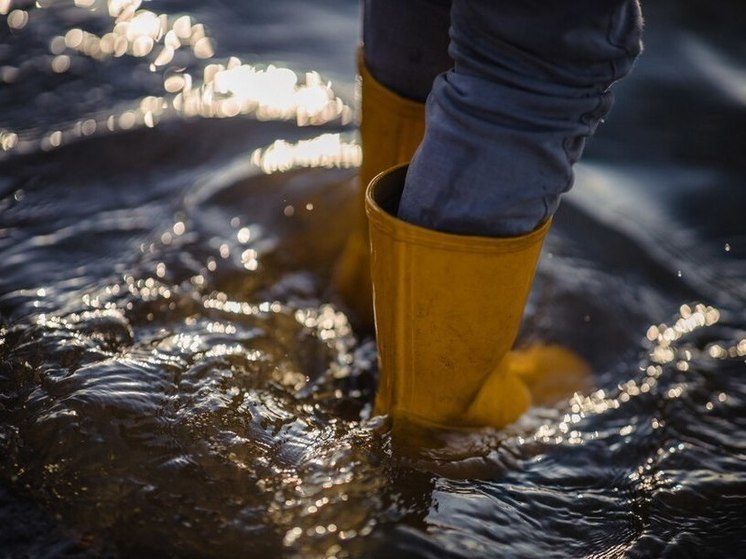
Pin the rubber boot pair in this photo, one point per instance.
(447, 307)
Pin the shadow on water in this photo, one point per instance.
(177, 378)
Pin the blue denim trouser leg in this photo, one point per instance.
(405, 43)
(505, 125)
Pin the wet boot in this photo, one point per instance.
(447, 312)
(391, 128)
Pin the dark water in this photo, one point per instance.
(177, 379)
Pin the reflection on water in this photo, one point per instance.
(176, 378)
(327, 150)
(215, 90)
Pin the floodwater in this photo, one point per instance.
(177, 379)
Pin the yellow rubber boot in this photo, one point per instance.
(447, 312)
(391, 129)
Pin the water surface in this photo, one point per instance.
(178, 379)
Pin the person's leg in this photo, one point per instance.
(405, 47)
(451, 274)
(405, 44)
(505, 126)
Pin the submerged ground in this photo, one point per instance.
(177, 378)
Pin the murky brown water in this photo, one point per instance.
(177, 378)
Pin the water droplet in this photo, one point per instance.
(74, 38)
(8, 74)
(17, 19)
(244, 235)
(57, 45)
(203, 48)
(183, 27)
(8, 140)
(127, 120)
(174, 83)
(55, 138)
(164, 56)
(61, 63)
(142, 46)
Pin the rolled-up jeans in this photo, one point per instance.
(512, 89)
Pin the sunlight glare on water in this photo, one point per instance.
(327, 150)
(220, 90)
